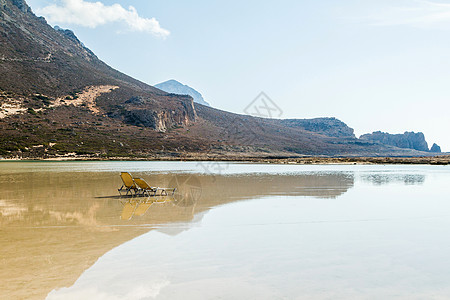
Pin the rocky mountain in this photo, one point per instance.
(57, 98)
(175, 87)
(407, 140)
(38, 61)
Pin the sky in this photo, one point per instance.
(376, 65)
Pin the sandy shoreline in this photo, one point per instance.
(434, 160)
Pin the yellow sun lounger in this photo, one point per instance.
(128, 184)
(146, 189)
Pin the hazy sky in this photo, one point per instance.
(376, 65)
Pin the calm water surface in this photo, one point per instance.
(232, 231)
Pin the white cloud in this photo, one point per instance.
(424, 14)
(93, 14)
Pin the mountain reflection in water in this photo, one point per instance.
(56, 225)
(386, 178)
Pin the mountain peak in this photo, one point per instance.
(173, 81)
(175, 87)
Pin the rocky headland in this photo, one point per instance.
(407, 140)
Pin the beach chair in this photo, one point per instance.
(128, 184)
(146, 189)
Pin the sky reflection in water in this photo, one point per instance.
(255, 232)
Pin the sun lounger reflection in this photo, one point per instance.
(139, 208)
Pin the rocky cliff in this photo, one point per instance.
(143, 111)
(407, 140)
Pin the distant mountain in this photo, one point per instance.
(407, 140)
(175, 87)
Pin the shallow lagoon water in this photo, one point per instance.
(233, 231)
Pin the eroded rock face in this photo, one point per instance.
(326, 126)
(435, 148)
(145, 112)
(407, 140)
